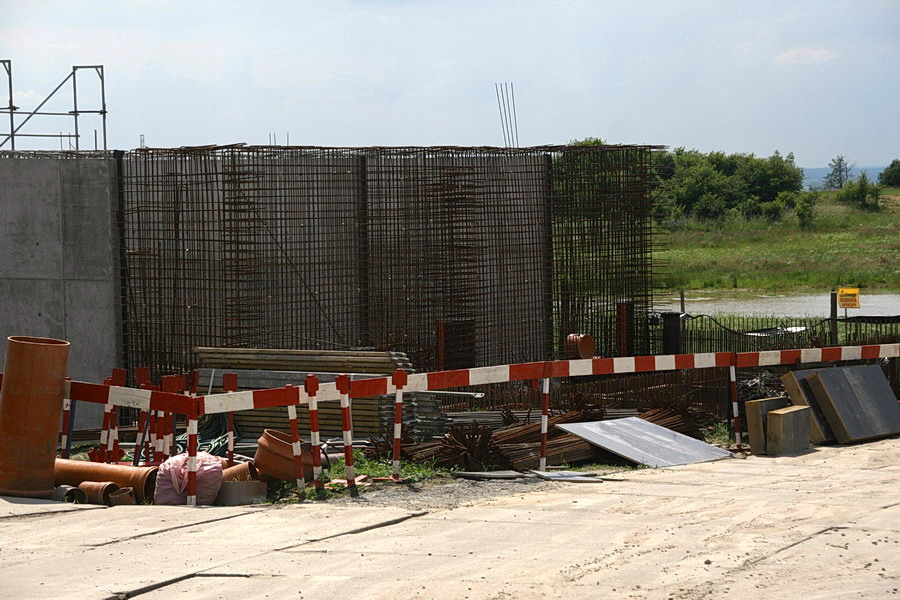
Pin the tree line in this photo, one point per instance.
(715, 185)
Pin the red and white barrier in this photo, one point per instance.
(344, 389)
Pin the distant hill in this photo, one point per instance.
(813, 177)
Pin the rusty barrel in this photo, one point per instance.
(34, 379)
(579, 345)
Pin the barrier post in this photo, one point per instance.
(113, 447)
(64, 442)
(343, 386)
(312, 387)
(292, 396)
(67, 445)
(172, 384)
(732, 374)
(545, 412)
(192, 457)
(119, 378)
(230, 384)
(399, 380)
(141, 437)
(104, 431)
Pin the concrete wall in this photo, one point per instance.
(58, 275)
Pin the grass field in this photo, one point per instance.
(844, 247)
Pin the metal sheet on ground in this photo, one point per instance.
(487, 474)
(570, 476)
(858, 402)
(643, 442)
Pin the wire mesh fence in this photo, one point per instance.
(736, 333)
(458, 256)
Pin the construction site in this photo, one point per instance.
(206, 347)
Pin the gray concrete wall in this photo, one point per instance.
(58, 274)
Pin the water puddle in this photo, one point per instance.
(781, 305)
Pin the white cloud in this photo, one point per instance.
(804, 55)
(27, 99)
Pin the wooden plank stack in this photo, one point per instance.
(262, 368)
(308, 361)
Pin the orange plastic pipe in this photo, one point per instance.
(34, 378)
(142, 479)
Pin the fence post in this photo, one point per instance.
(671, 332)
(624, 327)
(833, 328)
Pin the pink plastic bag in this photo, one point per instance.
(171, 481)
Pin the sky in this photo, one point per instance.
(816, 78)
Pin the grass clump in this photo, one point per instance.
(718, 435)
(285, 492)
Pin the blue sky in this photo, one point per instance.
(816, 78)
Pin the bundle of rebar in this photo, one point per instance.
(678, 420)
(562, 449)
(517, 446)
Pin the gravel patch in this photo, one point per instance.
(444, 492)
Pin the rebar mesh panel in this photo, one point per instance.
(458, 256)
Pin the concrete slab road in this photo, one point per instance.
(825, 524)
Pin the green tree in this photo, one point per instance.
(709, 186)
(805, 208)
(861, 193)
(839, 174)
(891, 175)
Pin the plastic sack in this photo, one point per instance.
(172, 479)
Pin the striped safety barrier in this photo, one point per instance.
(344, 390)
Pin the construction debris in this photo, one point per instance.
(682, 420)
(642, 442)
(482, 475)
(797, 388)
(857, 402)
(569, 476)
(757, 414)
(787, 430)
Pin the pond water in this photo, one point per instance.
(780, 305)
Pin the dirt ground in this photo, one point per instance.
(825, 524)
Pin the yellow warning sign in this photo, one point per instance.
(848, 297)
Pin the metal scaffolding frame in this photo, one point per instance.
(13, 110)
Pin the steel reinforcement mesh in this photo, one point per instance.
(458, 256)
